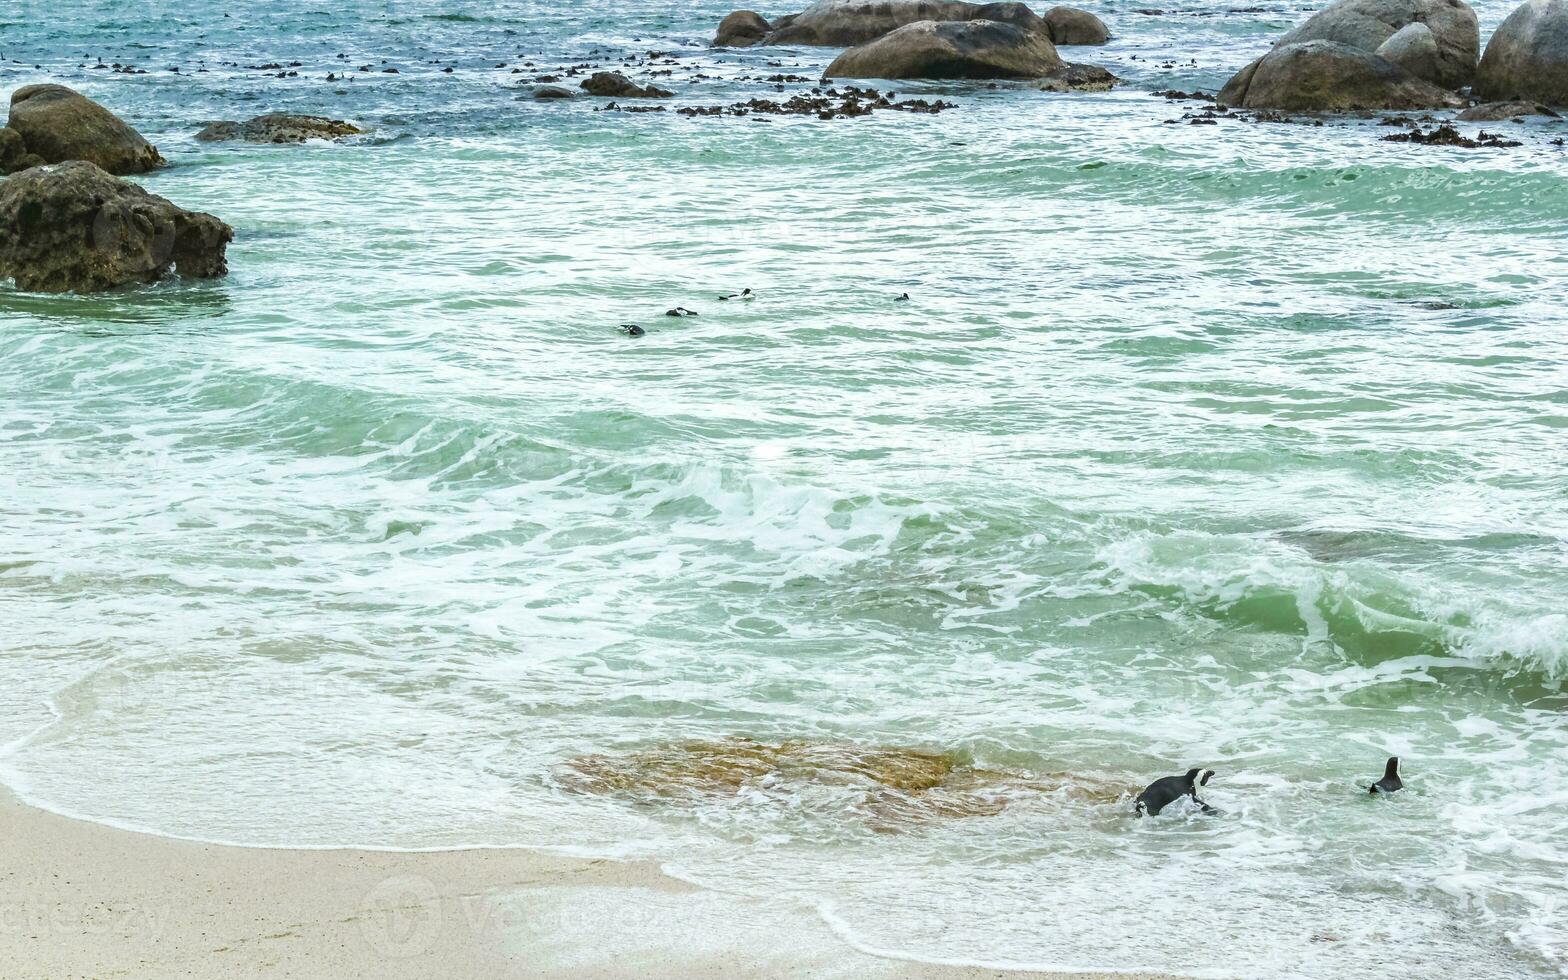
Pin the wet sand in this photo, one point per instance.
(79, 899)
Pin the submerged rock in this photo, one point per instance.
(1527, 57)
(612, 84)
(75, 227)
(1318, 76)
(1070, 25)
(741, 29)
(548, 92)
(962, 49)
(280, 127)
(890, 788)
(59, 124)
(1367, 25)
(1501, 111)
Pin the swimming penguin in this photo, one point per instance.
(743, 294)
(680, 311)
(1163, 792)
(902, 299)
(632, 330)
(1390, 783)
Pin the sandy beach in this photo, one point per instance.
(79, 899)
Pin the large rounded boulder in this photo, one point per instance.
(1017, 14)
(741, 29)
(951, 49)
(59, 124)
(842, 23)
(1324, 76)
(75, 227)
(1367, 25)
(1070, 25)
(1527, 57)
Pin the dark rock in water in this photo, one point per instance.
(849, 104)
(843, 23)
(548, 92)
(1445, 39)
(280, 128)
(741, 29)
(1502, 111)
(954, 49)
(1073, 77)
(1318, 76)
(58, 124)
(75, 227)
(1449, 136)
(1070, 25)
(1527, 57)
(613, 84)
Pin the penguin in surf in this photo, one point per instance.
(1163, 792)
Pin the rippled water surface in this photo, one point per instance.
(1243, 446)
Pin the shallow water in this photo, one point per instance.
(1238, 446)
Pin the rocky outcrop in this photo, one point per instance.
(1017, 14)
(1367, 25)
(1069, 25)
(1078, 78)
(58, 124)
(1527, 57)
(741, 29)
(13, 152)
(75, 227)
(1503, 111)
(1325, 76)
(549, 92)
(613, 84)
(1414, 48)
(950, 49)
(280, 128)
(843, 23)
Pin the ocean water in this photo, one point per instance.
(1239, 445)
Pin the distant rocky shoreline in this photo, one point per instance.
(68, 222)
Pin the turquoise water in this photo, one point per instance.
(1239, 446)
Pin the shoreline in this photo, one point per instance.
(84, 899)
